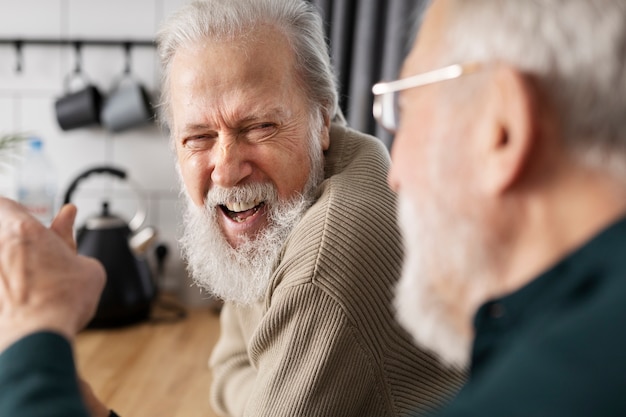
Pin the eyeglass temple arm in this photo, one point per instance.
(445, 73)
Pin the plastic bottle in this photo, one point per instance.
(36, 182)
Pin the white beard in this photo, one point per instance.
(240, 275)
(436, 251)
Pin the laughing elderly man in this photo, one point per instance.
(510, 162)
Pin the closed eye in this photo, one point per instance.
(199, 142)
(260, 131)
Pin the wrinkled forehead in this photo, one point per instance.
(251, 70)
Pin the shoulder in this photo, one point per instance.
(351, 150)
(350, 232)
(567, 361)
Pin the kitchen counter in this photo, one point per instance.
(152, 369)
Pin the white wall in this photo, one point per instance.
(27, 104)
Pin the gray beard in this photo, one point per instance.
(240, 275)
(430, 257)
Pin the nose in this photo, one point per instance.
(230, 163)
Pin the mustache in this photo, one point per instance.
(261, 192)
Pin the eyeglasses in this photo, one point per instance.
(386, 111)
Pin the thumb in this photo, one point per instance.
(63, 224)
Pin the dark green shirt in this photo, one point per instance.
(38, 379)
(556, 347)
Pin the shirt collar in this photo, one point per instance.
(598, 256)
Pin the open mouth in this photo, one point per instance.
(241, 211)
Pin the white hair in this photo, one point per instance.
(298, 20)
(575, 49)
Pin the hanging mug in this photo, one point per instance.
(127, 106)
(78, 108)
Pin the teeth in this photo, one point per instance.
(238, 206)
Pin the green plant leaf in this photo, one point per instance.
(11, 140)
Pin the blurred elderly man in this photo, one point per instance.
(289, 219)
(510, 163)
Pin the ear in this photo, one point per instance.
(508, 130)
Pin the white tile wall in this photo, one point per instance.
(27, 104)
(42, 70)
(35, 18)
(118, 19)
(7, 118)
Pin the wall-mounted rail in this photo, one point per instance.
(77, 43)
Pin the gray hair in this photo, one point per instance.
(576, 49)
(229, 19)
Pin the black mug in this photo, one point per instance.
(80, 108)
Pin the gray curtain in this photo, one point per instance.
(368, 39)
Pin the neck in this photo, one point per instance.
(564, 214)
(543, 227)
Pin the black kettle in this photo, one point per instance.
(130, 289)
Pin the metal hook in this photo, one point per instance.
(127, 65)
(78, 66)
(19, 57)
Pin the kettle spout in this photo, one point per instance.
(142, 239)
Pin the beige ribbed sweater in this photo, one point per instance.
(324, 342)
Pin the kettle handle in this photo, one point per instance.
(97, 170)
(139, 217)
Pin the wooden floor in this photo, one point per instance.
(152, 369)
